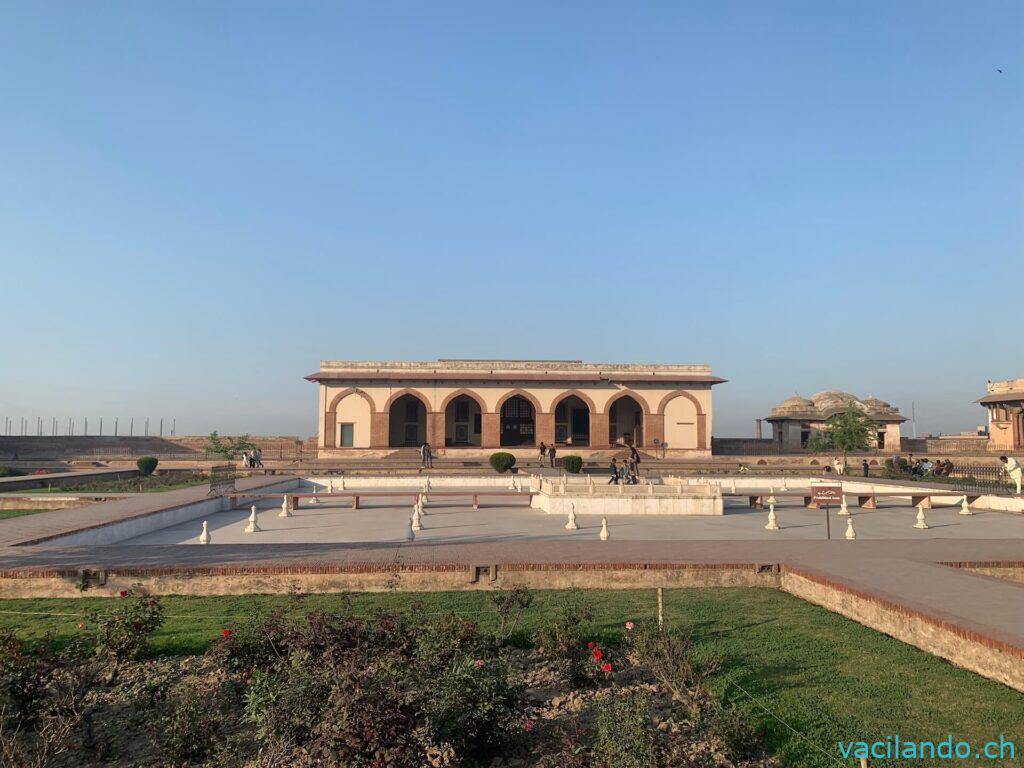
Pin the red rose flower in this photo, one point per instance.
(528, 726)
(123, 593)
(607, 666)
(152, 603)
(225, 633)
(591, 645)
(137, 625)
(598, 653)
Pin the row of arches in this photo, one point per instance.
(462, 419)
(517, 422)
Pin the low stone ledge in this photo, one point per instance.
(964, 647)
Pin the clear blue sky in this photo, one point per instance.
(199, 201)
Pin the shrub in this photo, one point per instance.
(146, 465)
(6, 471)
(732, 725)
(572, 464)
(623, 736)
(502, 462)
(564, 640)
(510, 604)
(122, 632)
(189, 724)
(671, 660)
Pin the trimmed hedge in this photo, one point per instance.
(572, 464)
(146, 465)
(6, 471)
(502, 462)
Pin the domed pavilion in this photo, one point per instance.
(795, 418)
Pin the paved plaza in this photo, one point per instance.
(455, 521)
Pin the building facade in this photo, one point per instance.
(796, 418)
(515, 404)
(1004, 404)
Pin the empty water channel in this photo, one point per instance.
(500, 509)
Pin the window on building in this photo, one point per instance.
(462, 411)
(412, 410)
(346, 435)
(476, 424)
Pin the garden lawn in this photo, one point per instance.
(789, 663)
(150, 484)
(6, 513)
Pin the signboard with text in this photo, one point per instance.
(823, 495)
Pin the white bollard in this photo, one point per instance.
(843, 509)
(733, 485)
(650, 488)
(312, 490)
(204, 537)
(285, 511)
(590, 484)
(621, 485)
(410, 534)
(773, 524)
(330, 485)
(253, 526)
(417, 522)
(850, 533)
(422, 504)
(343, 482)
(604, 529)
(571, 525)
(921, 524)
(965, 508)
(561, 485)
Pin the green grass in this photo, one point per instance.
(6, 513)
(151, 484)
(825, 676)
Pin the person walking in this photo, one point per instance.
(543, 452)
(1013, 469)
(424, 453)
(551, 454)
(864, 468)
(634, 458)
(259, 458)
(613, 469)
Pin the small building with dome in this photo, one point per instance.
(795, 418)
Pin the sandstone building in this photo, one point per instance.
(794, 419)
(1004, 403)
(517, 404)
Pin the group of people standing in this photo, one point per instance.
(252, 459)
(627, 471)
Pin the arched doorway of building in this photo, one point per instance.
(572, 422)
(462, 422)
(626, 422)
(517, 422)
(407, 422)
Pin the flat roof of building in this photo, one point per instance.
(529, 370)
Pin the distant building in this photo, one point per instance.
(795, 418)
(1005, 406)
(487, 404)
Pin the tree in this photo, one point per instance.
(228, 447)
(848, 431)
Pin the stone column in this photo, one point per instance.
(544, 424)
(436, 435)
(378, 430)
(654, 429)
(330, 436)
(490, 430)
(702, 431)
(598, 430)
